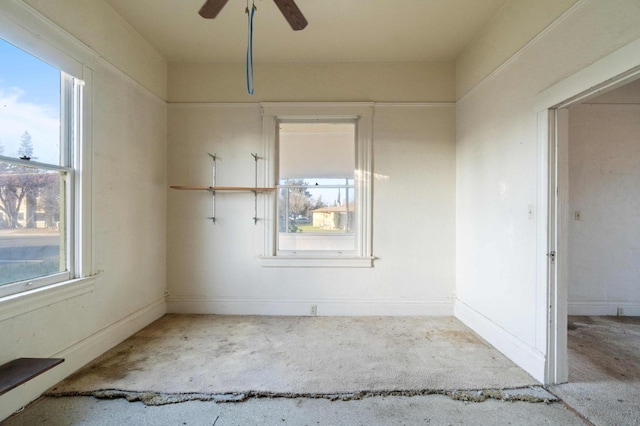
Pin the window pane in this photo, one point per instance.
(307, 222)
(29, 106)
(32, 242)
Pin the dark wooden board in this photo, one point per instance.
(18, 371)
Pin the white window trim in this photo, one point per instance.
(363, 112)
(30, 31)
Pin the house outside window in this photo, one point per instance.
(321, 215)
(40, 134)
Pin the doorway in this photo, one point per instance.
(594, 172)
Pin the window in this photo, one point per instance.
(39, 162)
(316, 188)
(321, 165)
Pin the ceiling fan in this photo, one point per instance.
(289, 9)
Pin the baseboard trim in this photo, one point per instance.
(393, 307)
(525, 356)
(79, 354)
(622, 309)
(105, 339)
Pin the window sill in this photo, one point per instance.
(28, 301)
(316, 262)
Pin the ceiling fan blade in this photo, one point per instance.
(292, 14)
(211, 8)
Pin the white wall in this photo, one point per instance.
(216, 268)
(499, 293)
(128, 135)
(604, 177)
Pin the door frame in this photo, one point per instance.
(613, 71)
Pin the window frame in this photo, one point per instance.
(280, 186)
(53, 47)
(56, 277)
(362, 114)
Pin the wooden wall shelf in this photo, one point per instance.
(213, 189)
(222, 188)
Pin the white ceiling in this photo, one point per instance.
(338, 30)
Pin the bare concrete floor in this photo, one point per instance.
(236, 355)
(376, 356)
(604, 369)
(392, 410)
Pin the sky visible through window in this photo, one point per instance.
(29, 102)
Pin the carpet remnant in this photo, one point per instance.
(534, 394)
(226, 355)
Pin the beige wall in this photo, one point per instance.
(330, 82)
(128, 138)
(216, 268)
(517, 23)
(98, 26)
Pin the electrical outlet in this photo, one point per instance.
(314, 310)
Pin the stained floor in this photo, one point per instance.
(604, 388)
(209, 354)
(604, 369)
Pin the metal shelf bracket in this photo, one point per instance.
(213, 184)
